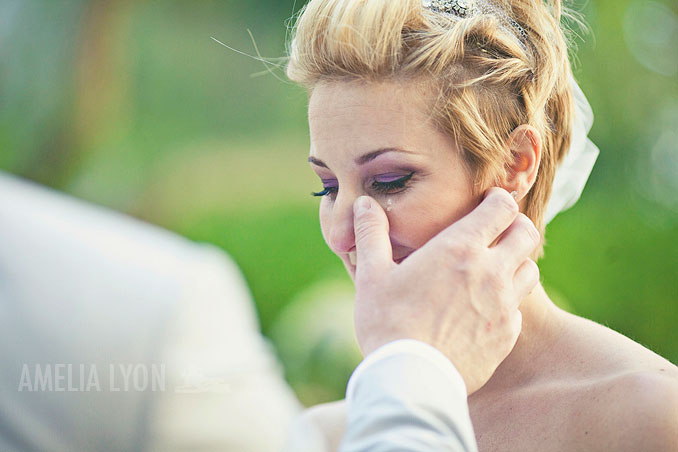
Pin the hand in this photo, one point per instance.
(459, 292)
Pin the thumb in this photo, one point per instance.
(373, 246)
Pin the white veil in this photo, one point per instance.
(574, 170)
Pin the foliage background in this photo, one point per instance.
(132, 105)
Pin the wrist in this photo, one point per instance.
(373, 342)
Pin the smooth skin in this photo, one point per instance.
(569, 384)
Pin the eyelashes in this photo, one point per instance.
(391, 187)
(325, 192)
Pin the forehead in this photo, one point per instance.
(330, 99)
(361, 115)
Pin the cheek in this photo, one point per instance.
(415, 221)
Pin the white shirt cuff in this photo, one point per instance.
(410, 347)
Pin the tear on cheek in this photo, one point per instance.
(388, 205)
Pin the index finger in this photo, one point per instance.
(489, 219)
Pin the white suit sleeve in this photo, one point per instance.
(107, 293)
(407, 396)
(228, 385)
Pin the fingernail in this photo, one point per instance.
(362, 205)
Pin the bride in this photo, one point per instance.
(423, 106)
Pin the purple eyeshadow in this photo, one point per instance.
(386, 178)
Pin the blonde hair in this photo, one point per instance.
(487, 78)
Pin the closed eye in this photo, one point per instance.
(392, 187)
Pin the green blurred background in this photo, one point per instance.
(132, 105)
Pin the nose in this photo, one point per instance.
(341, 238)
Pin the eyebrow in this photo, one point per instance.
(363, 158)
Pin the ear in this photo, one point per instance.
(525, 145)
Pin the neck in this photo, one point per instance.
(540, 331)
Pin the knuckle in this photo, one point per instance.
(496, 269)
(462, 265)
(462, 252)
(503, 267)
(529, 273)
(496, 282)
(470, 237)
(533, 269)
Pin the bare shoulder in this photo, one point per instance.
(330, 418)
(634, 411)
(627, 395)
(595, 352)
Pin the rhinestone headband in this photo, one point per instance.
(458, 7)
(470, 8)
